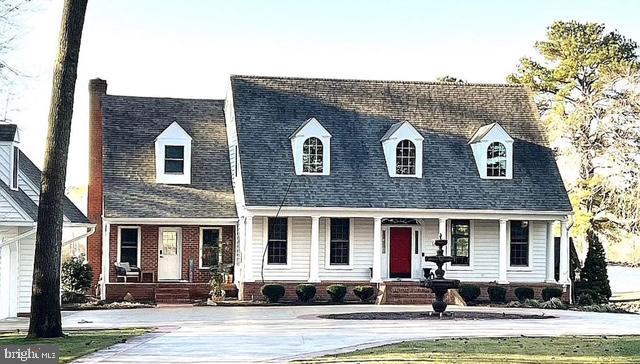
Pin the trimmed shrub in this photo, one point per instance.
(584, 299)
(469, 292)
(524, 293)
(72, 297)
(337, 292)
(76, 276)
(272, 292)
(305, 292)
(364, 293)
(497, 293)
(551, 292)
(593, 295)
(594, 273)
(554, 303)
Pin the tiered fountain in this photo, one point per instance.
(440, 285)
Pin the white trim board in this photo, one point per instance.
(172, 221)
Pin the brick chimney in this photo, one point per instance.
(97, 89)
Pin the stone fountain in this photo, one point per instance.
(440, 285)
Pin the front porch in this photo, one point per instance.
(173, 262)
(509, 249)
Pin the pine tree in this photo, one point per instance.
(594, 273)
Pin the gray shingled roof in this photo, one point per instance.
(21, 198)
(8, 132)
(358, 113)
(33, 173)
(131, 125)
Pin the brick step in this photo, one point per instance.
(173, 301)
(408, 301)
(413, 295)
(172, 287)
(396, 290)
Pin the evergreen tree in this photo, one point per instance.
(594, 273)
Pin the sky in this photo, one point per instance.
(188, 48)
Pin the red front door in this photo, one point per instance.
(400, 259)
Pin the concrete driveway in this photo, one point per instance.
(276, 334)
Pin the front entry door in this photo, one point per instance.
(400, 257)
(169, 253)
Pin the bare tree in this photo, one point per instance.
(10, 11)
(45, 299)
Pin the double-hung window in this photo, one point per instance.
(129, 245)
(339, 243)
(460, 242)
(277, 241)
(210, 247)
(519, 247)
(174, 159)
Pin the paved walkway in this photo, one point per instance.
(276, 334)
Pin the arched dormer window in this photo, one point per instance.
(406, 158)
(496, 160)
(311, 147)
(312, 155)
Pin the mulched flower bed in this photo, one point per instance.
(453, 315)
(104, 306)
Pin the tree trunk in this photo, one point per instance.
(45, 297)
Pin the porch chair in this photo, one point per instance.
(124, 270)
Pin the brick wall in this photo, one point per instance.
(97, 88)
(190, 250)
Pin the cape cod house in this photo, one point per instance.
(19, 193)
(295, 180)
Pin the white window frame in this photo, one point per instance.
(405, 131)
(506, 160)
(327, 246)
(323, 163)
(525, 268)
(472, 249)
(202, 229)
(139, 255)
(15, 168)
(265, 241)
(480, 146)
(311, 129)
(173, 135)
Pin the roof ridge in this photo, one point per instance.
(164, 98)
(481, 84)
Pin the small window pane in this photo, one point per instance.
(406, 158)
(312, 150)
(277, 243)
(339, 243)
(129, 246)
(169, 243)
(519, 249)
(174, 159)
(496, 160)
(210, 247)
(460, 241)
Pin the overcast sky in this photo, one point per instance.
(187, 48)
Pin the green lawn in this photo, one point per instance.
(77, 343)
(619, 349)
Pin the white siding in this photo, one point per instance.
(5, 162)
(8, 210)
(26, 250)
(28, 188)
(484, 252)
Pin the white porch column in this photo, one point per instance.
(564, 253)
(377, 250)
(502, 262)
(314, 255)
(551, 259)
(442, 228)
(248, 249)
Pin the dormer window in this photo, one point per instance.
(311, 148)
(312, 155)
(496, 160)
(174, 159)
(402, 146)
(406, 158)
(173, 156)
(492, 149)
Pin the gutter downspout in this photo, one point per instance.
(91, 229)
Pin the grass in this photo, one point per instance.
(76, 343)
(619, 349)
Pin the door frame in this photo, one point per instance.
(178, 230)
(416, 262)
